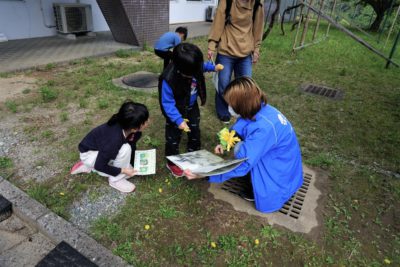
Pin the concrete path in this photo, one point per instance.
(33, 231)
(17, 55)
(195, 29)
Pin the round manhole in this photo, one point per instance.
(141, 80)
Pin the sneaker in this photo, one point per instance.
(175, 170)
(225, 119)
(79, 167)
(247, 195)
(123, 186)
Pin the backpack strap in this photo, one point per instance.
(257, 4)
(228, 12)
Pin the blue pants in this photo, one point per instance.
(241, 67)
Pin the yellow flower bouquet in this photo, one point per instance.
(228, 139)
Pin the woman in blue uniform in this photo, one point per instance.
(273, 166)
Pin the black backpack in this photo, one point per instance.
(257, 4)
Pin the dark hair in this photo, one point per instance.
(131, 115)
(182, 30)
(245, 97)
(188, 59)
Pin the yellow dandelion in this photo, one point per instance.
(62, 194)
(387, 261)
(213, 245)
(256, 242)
(160, 190)
(146, 227)
(228, 138)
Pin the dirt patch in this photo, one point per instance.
(14, 87)
(28, 139)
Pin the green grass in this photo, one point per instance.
(349, 139)
(12, 106)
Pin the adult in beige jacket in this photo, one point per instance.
(237, 41)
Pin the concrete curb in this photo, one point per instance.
(56, 228)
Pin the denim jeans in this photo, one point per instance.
(241, 66)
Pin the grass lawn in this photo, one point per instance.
(355, 141)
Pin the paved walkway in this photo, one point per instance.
(33, 231)
(16, 55)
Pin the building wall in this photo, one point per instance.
(24, 19)
(188, 11)
(20, 19)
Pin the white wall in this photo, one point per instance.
(188, 11)
(21, 19)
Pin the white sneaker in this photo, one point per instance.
(123, 186)
(79, 167)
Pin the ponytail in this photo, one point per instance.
(131, 115)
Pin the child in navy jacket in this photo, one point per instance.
(109, 149)
(181, 83)
(273, 166)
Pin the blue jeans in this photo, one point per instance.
(241, 66)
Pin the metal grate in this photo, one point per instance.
(141, 80)
(236, 186)
(324, 91)
(292, 207)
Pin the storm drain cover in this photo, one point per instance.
(299, 213)
(324, 91)
(141, 81)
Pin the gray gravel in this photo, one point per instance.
(8, 140)
(94, 204)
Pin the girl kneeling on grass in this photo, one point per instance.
(109, 149)
(273, 167)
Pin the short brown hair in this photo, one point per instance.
(245, 97)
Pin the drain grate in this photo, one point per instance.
(236, 186)
(141, 80)
(291, 208)
(324, 91)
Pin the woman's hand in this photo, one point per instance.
(191, 176)
(219, 150)
(129, 171)
(210, 54)
(256, 57)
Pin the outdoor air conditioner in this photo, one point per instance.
(73, 18)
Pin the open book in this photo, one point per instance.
(204, 163)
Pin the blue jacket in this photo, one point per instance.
(167, 40)
(274, 158)
(168, 98)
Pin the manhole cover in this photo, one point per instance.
(141, 81)
(299, 214)
(324, 91)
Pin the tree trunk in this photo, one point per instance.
(377, 22)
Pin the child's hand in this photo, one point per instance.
(191, 176)
(219, 150)
(219, 67)
(184, 127)
(129, 171)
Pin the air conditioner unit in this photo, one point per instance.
(73, 18)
